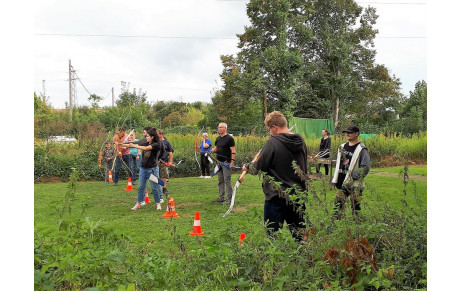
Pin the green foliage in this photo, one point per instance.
(110, 247)
(57, 160)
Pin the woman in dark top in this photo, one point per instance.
(149, 165)
(324, 150)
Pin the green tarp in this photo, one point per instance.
(311, 127)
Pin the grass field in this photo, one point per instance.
(112, 204)
(150, 233)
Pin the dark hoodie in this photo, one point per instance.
(276, 159)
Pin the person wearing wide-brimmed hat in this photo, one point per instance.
(353, 164)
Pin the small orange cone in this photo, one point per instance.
(147, 200)
(110, 176)
(242, 237)
(196, 226)
(130, 186)
(170, 209)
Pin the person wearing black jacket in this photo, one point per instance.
(324, 150)
(275, 160)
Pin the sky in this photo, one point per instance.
(172, 50)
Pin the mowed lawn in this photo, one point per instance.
(109, 205)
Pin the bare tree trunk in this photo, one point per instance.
(265, 103)
(336, 117)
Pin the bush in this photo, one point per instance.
(56, 160)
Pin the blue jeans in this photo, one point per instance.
(127, 161)
(135, 166)
(276, 211)
(144, 174)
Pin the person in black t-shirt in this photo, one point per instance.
(276, 161)
(151, 151)
(353, 164)
(224, 147)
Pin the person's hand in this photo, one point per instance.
(172, 164)
(137, 158)
(232, 165)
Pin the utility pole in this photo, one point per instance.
(113, 98)
(70, 91)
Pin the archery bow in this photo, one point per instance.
(219, 164)
(196, 146)
(237, 184)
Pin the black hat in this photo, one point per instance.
(351, 128)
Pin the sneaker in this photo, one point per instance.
(207, 177)
(142, 203)
(161, 200)
(107, 182)
(134, 183)
(218, 201)
(201, 176)
(115, 183)
(158, 206)
(136, 206)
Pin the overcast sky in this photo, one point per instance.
(172, 50)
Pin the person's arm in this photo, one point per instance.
(232, 162)
(142, 148)
(364, 165)
(206, 144)
(261, 161)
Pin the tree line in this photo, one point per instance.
(310, 59)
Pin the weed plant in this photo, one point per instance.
(92, 240)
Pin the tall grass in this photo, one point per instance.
(53, 159)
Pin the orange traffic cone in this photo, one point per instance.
(147, 200)
(110, 176)
(242, 237)
(171, 209)
(196, 226)
(130, 185)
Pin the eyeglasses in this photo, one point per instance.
(271, 126)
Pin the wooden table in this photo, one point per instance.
(312, 161)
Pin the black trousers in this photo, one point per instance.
(204, 165)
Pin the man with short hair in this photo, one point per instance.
(165, 161)
(281, 178)
(224, 147)
(353, 164)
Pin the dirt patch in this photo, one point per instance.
(189, 204)
(396, 175)
(240, 209)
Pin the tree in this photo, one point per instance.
(95, 99)
(127, 98)
(310, 58)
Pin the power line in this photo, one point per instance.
(174, 37)
(379, 3)
(132, 36)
